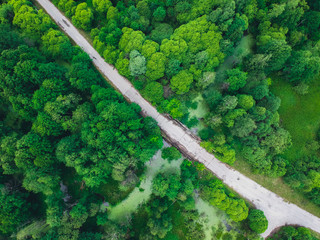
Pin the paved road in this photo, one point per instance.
(278, 211)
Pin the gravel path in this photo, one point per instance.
(278, 211)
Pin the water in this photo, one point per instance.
(123, 210)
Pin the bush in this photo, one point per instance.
(257, 221)
(170, 153)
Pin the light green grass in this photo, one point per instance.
(300, 115)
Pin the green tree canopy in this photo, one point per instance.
(257, 221)
(181, 82)
(170, 153)
(236, 79)
(83, 16)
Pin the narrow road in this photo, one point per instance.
(277, 210)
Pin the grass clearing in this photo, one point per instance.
(300, 115)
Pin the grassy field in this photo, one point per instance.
(300, 115)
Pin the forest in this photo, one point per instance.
(71, 146)
(229, 53)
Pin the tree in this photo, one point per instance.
(49, 91)
(60, 109)
(137, 63)
(243, 126)
(148, 48)
(170, 153)
(259, 91)
(83, 16)
(271, 102)
(238, 26)
(201, 59)
(173, 107)
(7, 154)
(68, 6)
(32, 149)
(159, 221)
(302, 66)
(131, 40)
(226, 153)
(181, 82)
(82, 76)
(122, 65)
(312, 24)
(159, 14)
(144, 9)
(160, 32)
(233, 114)
(237, 210)
(166, 185)
(14, 210)
(279, 50)
(173, 67)
(33, 23)
(160, 185)
(46, 126)
(278, 140)
(214, 193)
(153, 92)
(9, 39)
(236, 79)
(156, 66)
(174, 48)
(227, 103)
(212, 97)
(194, 37)
(56, 44)
(245, 101)
(101, 6)
(112, 13)
(257, 221)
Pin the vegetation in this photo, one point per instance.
(173, 50)
(257, 221)
(55, 118)
(170, 153)
(294, 233)
(70, 145)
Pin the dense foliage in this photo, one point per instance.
(227, 51)
(70, 144)
(257, 221)
(58, 118)
(294, 233)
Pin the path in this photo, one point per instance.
(278, 211)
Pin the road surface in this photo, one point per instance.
(278, 211)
